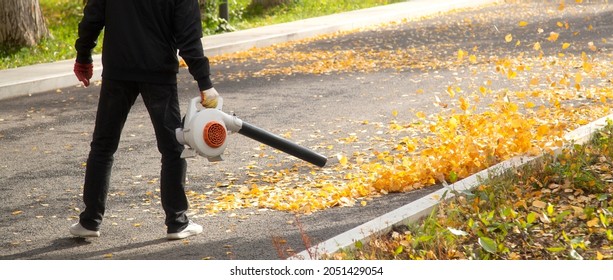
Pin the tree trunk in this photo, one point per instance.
(202, 5)
(21, 23)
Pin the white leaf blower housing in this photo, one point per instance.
(205, 130)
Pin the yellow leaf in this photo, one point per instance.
(599, 255)
(342, 159)
(451, 91)
(472, 58)
(482, 90)
(463, 104)
(523, 23)
(579, 1)
(542, 130)
(108, 256)
(578, 78)
(512, 74)
(394, 113)
(537, 46)
(593, 222)
(453, 123)
(565, 46)
(17, 212)
(530, 105)
(460, 54)
(553, 36)
(420, 115)
(587, 67)
(508, 38)
(363, 203)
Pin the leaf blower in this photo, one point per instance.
(205, 130)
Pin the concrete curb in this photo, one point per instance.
(29, 80)
(422, 207)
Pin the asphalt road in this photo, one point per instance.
(44, 138)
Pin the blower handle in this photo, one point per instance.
(282, 144)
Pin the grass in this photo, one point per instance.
(246, 16)
(560, 207)
(62, 18)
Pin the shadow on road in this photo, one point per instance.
(67, 243)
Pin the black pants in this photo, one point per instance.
(116, 99)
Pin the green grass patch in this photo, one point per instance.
(63, 16)
(559, 207)
(248, 16)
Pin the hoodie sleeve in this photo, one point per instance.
(188, 34)
(89, 29)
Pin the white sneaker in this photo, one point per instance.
(78, 230)
(191, 229)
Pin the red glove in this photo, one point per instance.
(84, 72)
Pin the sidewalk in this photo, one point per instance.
(29, 80)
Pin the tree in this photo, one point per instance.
(202, 5)
(21, 23)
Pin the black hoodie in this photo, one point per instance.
(141, 39)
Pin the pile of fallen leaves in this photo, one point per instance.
(558, 208)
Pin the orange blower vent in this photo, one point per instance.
(214, 134)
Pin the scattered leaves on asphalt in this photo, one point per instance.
(554, 88)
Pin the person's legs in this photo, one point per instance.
(116, 99)
(162, 103)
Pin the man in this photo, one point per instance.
(141, 39)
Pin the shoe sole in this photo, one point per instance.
(85, 235)
(182, 235)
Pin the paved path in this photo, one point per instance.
(44, 140)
